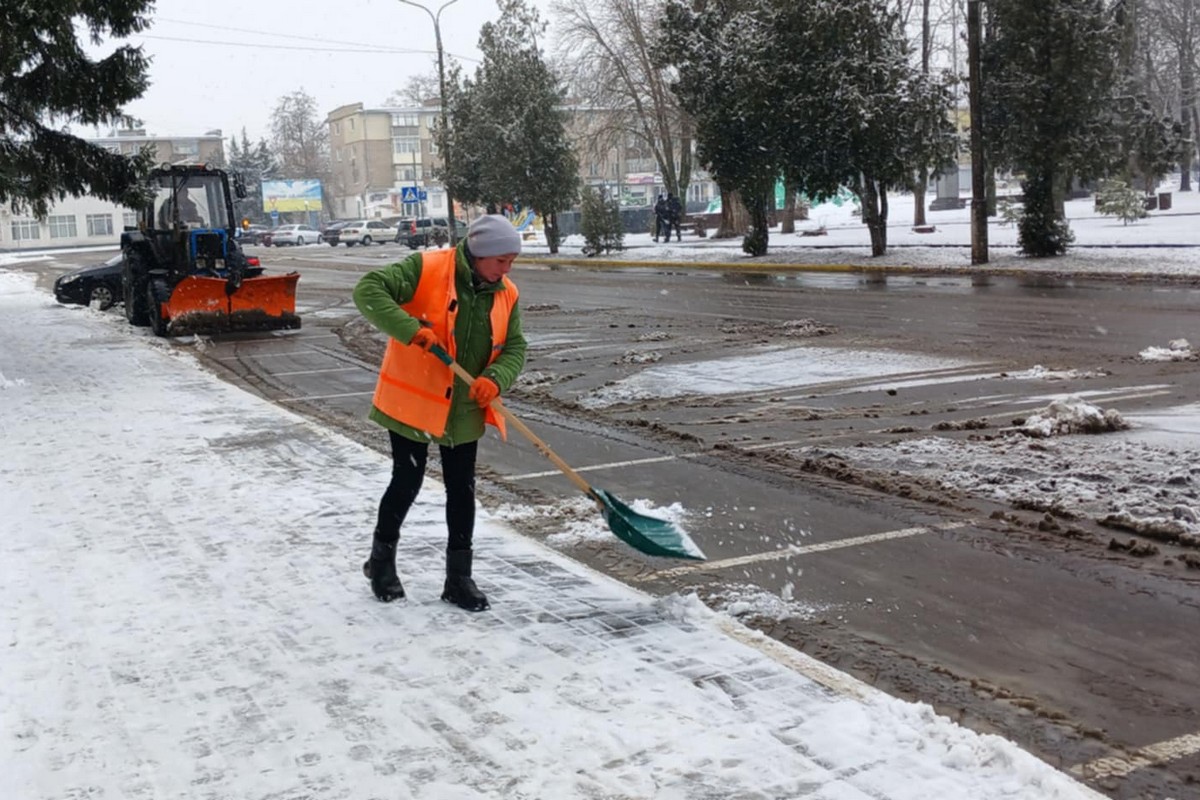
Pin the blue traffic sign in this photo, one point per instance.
(408, 194)
(424, 195)
(275, 216)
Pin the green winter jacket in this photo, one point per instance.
(379, 295)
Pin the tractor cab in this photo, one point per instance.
(184, 271)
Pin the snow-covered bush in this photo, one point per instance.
(1119, 199)
(600, 223)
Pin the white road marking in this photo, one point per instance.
(324, 397)
(611, 465)
(314, 371)
(789, 552)
(235, 357)
(1149, 756)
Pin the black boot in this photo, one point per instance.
(460, 588)
(380, 569)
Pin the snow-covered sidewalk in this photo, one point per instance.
(184, 616)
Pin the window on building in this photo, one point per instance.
(337, 128)
(129, 219)
(186, 148)
(62, 226)
(405, 120)
(408, 174)
(406, 144)
(351, 121)
(25, 229)
(99, 224)
(337, 152)
(433, 148)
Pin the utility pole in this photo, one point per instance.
(979, 221)
(445, 146)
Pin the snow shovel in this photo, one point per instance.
(650, 535)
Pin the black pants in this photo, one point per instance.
(408, 470)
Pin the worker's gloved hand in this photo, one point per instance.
(424, 338)
(484, 391)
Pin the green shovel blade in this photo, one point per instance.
(650, 535)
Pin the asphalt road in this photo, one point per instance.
(1078, 653)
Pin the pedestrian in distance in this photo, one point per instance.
(661, 219)
(461, 300)
(674, 217)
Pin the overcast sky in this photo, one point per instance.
(224, 63)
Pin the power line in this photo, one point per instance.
(358, 47)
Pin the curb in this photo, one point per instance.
(876, 270)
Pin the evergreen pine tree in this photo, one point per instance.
(507, 128)
(1050, 69)
(47, 82)
(600, 222)
(255, 163)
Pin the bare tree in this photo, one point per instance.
(1177, 22)
(300, 139)
(606, 46)
(416, 90)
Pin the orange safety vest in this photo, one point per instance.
(414, 386)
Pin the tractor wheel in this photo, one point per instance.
(133, 289)
(156, 295)
(366, 241)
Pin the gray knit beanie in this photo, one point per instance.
(493, 235)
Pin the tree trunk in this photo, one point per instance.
(1187, 102)
(550, 228)
(789, 211)
(920, 189)
(874, 211)
(756, 240)
(735, 220)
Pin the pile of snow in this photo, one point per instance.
(1072, 415)
(746, 601)
(1176, 350)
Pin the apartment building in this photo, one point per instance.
(380, 156)
(85, 221)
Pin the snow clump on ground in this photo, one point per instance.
(1176, 350)
(1072, 415)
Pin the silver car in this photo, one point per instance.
(367, 231)
(296, 235)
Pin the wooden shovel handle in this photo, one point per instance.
(515, 421)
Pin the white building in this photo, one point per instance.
(84, 221)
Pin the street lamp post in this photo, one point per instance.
(445, 149)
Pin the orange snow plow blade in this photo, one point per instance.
(263, 303)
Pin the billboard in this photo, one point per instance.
(297, 195)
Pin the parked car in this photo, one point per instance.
(332, 232)
(295, 235)
(426, 231)
(254, 234)
(266, 237)
(367, 231)
(99, 284)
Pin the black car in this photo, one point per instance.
(99, 284)
(330, 231)
(254, 234)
